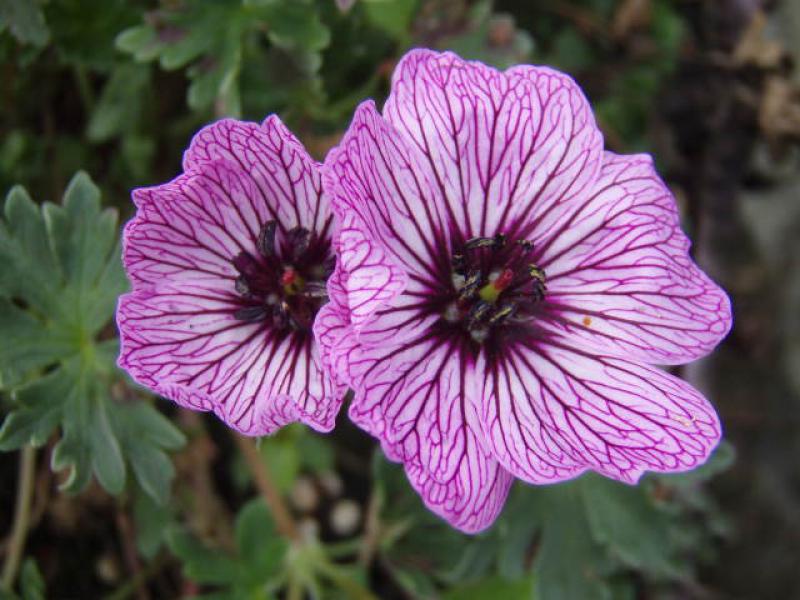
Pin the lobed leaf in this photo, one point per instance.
(247, 573)
(60, 276)
(190, 37)
(25, 21)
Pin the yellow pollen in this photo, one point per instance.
(587, 321)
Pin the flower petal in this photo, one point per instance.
(552, 410)
(285, 179)
(189, 228)
(369, 276)
(620, 279)
(391, 228)
(415, 397)
(333, 330)
(185, 344)
(178, 333)
(505, 148)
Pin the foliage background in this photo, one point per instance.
(126, 496)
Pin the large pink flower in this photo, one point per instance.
(228, 263)
(503, 286)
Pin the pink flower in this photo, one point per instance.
(503, 286)
(228, 263)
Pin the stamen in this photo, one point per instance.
(266, 239)
(315, 289)
(470, 286)
(498, 241)
(536, 273)
(492, 285)
(459, 264)
(241, 286)
(246, 265)
(502, 314)
(492, 290)
(478, 312)
(527, 245)
(452, 314)
(283, 281)
(250, 313)
(298, 239)
(458, 281)
(479, 335)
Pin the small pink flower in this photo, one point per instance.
(503, 286)
(228, 263)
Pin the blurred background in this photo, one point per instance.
(163, 503)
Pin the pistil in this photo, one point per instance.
(494, 284)
(286, 281)
(492, 290)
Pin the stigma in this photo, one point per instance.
(284, 282)
(494, 284)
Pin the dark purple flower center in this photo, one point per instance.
(285, 283)
(494, 286)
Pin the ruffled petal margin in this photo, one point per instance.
(416, 397)
(552, 410)
(505, 149)
(620, 278)
(177, 330)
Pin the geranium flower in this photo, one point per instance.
(228, 263)
(503, 286)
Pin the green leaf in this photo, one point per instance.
(119, 106)
(424, 549)
(191, 37)
(492, 588)
(392, 16)
(476, 40)
(569, 563)
(571, 51)
(25, 21)
(626, 520)
(60, 276)
(152, 523)
(258, 562)
(31, 582)
(141, 41)
(260, 546)
(283, 458)
(83, 36)
(200, 563)
(296, 26)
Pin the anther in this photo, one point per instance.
(478, 312)
(536, 273)
(250, 314)
(328, 265)
(266, 239)
(470, 286)
(459, 264)
(315, 289)
(502, 314)
(527, 245)
(246, 264)
(298, 239)
(241, 285)
(497, 241)
(479, 335)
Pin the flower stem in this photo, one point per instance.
(266, 486)
(22, 510)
